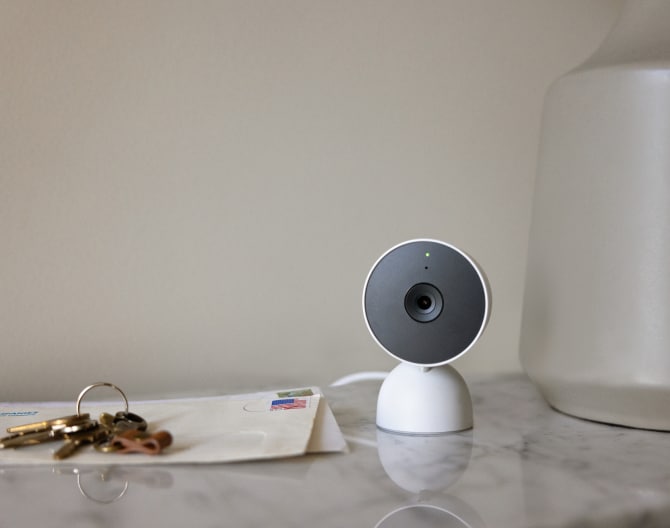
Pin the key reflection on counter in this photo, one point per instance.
(426, 466)
(108, 484)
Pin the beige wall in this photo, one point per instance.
(192, 193)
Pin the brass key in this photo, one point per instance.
(28, 439)
(76, 440)
(47, 425)
(46, 435)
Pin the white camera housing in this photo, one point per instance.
(426, 303)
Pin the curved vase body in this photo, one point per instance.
(595, 336)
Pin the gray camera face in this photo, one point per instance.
(425, 302)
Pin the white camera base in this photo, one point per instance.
(422, 401)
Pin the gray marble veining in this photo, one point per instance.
(523, 465)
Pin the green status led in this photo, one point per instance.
(427, 253)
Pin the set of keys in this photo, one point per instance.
(123, 432)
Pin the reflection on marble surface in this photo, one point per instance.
(523, 465)
(424, 464)
(107, 484)
(425, 516)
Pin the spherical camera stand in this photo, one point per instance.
(418, 400)
(425, 303)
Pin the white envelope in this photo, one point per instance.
(217, 429)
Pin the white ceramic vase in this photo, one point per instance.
(595, 336)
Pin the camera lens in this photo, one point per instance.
(423, 302)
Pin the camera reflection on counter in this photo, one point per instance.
(426, 466)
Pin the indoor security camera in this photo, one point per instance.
(425, 302)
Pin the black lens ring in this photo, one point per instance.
(415, 302)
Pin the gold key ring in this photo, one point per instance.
(100, 384)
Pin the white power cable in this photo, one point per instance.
(359, 376)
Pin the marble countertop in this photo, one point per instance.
(523, 465)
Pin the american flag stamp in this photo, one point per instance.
(288, 403)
